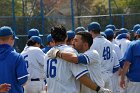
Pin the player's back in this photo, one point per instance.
(104, 48)
(12, 68)
(61, 75)
(123, 44)
(34, 57)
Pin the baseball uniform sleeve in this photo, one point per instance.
(78, 70)
(116, 62)
(89, 57)
(21, 70)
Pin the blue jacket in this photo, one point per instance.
(13, 68)
(133, 56)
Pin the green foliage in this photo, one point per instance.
(134, 6)
(6, 7)
(125, 6)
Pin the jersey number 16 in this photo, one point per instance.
(51, 68)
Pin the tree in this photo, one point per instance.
(6, 7)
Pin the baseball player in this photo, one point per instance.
(116, 32)
(33, 32)
(80, 28)
(131, 67)
(135, 28)
(105, 50)
(124, 41)
(61, 73)
(82, 43)
(13, 69)
(117, 57)
(70, 35)
(50, 44)
(34, 57)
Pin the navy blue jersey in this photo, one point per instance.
(133, 56)
(46, 49)
(13, 68)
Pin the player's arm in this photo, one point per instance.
(72, 57)
(21, 71)
(69, 57)
(123, 74)
(85, 80)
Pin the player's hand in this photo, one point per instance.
(122, 84)
(52, 52)
(104, 90)
(5, 87)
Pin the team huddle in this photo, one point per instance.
(80, 61)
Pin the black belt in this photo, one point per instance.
(36, 79)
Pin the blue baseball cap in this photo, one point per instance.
(33, 32)
(124, 30)
(71, 34)
(49, 38)
(80, 28)
(37, 39)
(111, 27)
(136, 27)
(103, 34)
(109, 32)
(94, 26)
(138, 32)
(7, 31)
(120, 36)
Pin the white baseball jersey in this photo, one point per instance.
(94, 68)
(123, 44)
(115, 77)
(62, 75)
(104, 48)
(118, 51)
(34, 57)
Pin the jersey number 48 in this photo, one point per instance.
(106, 53)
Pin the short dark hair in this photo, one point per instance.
(86, 37)
(31, 42)
(58, 33)
(109, 38)
(96, 31)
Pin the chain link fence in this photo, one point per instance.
(28, 14)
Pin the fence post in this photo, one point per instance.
(110, 12)
(72, 15)
(13, 16)
(42, 15)
(122, 17)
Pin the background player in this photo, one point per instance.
(34, 57)
(117, 57)
(50, 44)
(131, 67)
(105, 50)
(12, 65)
(71, 35)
